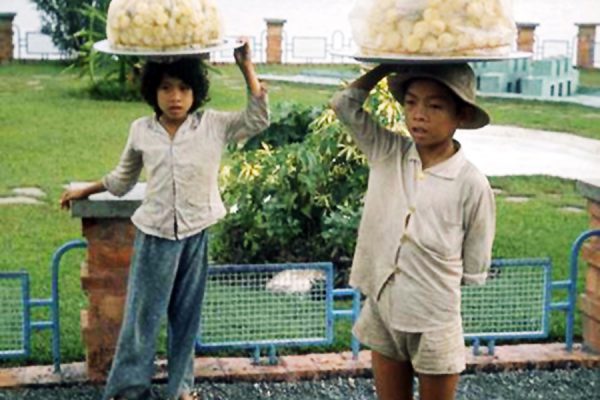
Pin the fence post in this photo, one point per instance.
(6, 37)
(590, 299)
(274, 40)
(526, 36)
(586, 40)
(109, 232)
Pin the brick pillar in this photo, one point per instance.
(586, 40)
(274, 40)
(6, 37)
(526, 36)
(109, 233)
(590, 299)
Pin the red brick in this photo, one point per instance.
(594, 209)
(119, 231)
(551, 355)
(590, 310)
(241, 368)
(104, 256)
(525, 37)
(332, 364)
(590, 253)
(8, 379)
(98, 363)
(592, 280)
(595, 224)
(299, 367)
(274, 39)
(114, 283)
(585, 46)
(365, 357)
(208, 368)
(360, 365)
(590, 306)
(96, 341)
(100, 338)
(109, 308)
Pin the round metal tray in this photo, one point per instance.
(103, 46)
(424, 59)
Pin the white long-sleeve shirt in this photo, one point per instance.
(182, 194)
(432, 228)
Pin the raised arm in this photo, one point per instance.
(373, 139)
(255, 118)
(243, 59)
(368, 80)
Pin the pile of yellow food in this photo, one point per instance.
(163, 24)
(434, 27)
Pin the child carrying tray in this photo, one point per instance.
(180, 148)
(427, 227)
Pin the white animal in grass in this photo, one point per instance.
(294, 280)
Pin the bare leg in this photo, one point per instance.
(393, 379)
(438, 387)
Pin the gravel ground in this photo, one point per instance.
(525, 385)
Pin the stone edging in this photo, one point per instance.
(315, 366)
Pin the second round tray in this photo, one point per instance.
(426, 59)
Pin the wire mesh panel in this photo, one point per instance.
(513, 303)
(14, 315)
(248, 305)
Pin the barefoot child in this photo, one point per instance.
(427, 227)
(180, 148)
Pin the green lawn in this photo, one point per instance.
(51, 133)
(590, 78)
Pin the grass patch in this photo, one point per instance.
(53, 133)
(590, 78)
(560, 117)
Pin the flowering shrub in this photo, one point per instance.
(299, 201)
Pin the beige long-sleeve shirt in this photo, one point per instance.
(432, 228)
(182, 194)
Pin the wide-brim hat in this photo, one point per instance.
(458, 77)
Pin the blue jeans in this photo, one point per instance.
(169, 277)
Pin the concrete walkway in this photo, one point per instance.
(581, 99)
(508, 150)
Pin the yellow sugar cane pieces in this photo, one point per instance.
(163, 24)
(433, 27)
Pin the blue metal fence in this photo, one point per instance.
(14, 315)
(542, 307)
(524, 282)
(15, 333)
(263, 307)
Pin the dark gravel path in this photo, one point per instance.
(576, 384)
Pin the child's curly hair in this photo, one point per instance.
(192, 71)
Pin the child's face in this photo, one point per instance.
(174, 98)
(431, 113)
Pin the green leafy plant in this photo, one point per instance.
(299, 201)
(62, 19)
(111, 77)
(289, 124)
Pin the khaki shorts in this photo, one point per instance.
(438, 352)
